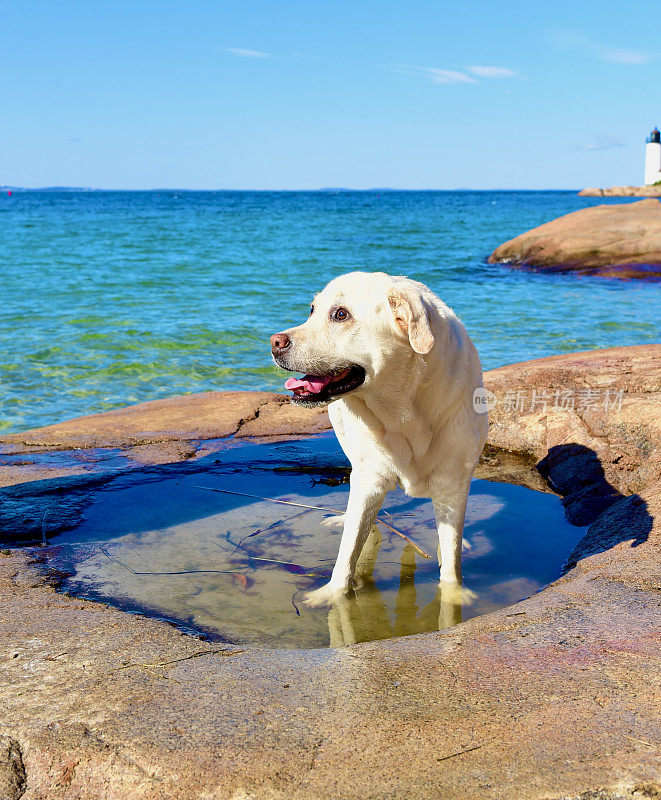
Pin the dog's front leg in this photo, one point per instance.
(450, 511)
(365, 498)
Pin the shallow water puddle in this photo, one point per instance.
(237, 568)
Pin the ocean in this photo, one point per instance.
(113, 298)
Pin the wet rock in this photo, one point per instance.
(168, 452)
(622, 241)
(35, 517)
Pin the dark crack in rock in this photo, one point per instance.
(13, 780)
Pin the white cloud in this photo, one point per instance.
(603, 141)
(619, 56)
(239, 51)
(445, 76)
(571, 40)
(493, 72)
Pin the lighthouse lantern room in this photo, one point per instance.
(653, 158)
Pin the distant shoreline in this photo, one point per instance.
(323, 190)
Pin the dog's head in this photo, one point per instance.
(357, 326)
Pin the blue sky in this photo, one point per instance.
(285, 95)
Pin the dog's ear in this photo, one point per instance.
(411, 317)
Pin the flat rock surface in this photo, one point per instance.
(156, 432)
(192, 417)
(555, 697)
(622, 241)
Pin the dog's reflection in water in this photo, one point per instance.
(362, 615)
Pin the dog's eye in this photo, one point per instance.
(312, 309)
(340, 314)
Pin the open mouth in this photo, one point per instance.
(320, 388)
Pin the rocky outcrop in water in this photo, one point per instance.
(618, 241)
(552, 697)
(622, 191)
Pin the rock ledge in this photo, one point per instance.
(555, 697)
(617, 241)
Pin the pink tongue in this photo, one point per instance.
(312, 383)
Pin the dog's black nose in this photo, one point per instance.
(279, 342)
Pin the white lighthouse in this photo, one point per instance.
(653, 158)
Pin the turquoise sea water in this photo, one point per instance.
(112, 298)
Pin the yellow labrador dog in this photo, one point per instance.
(399, 371)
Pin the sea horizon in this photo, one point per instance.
(322, 189)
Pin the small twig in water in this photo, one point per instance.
(44, 541)
(316, 508)
(405, 537)
(270, 499)
(247, 556)
(293, 602)
(239, 545)
(179, 572)
(304, 570)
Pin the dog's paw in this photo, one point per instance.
(336, 521)
(454, 592)
(325, 596)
